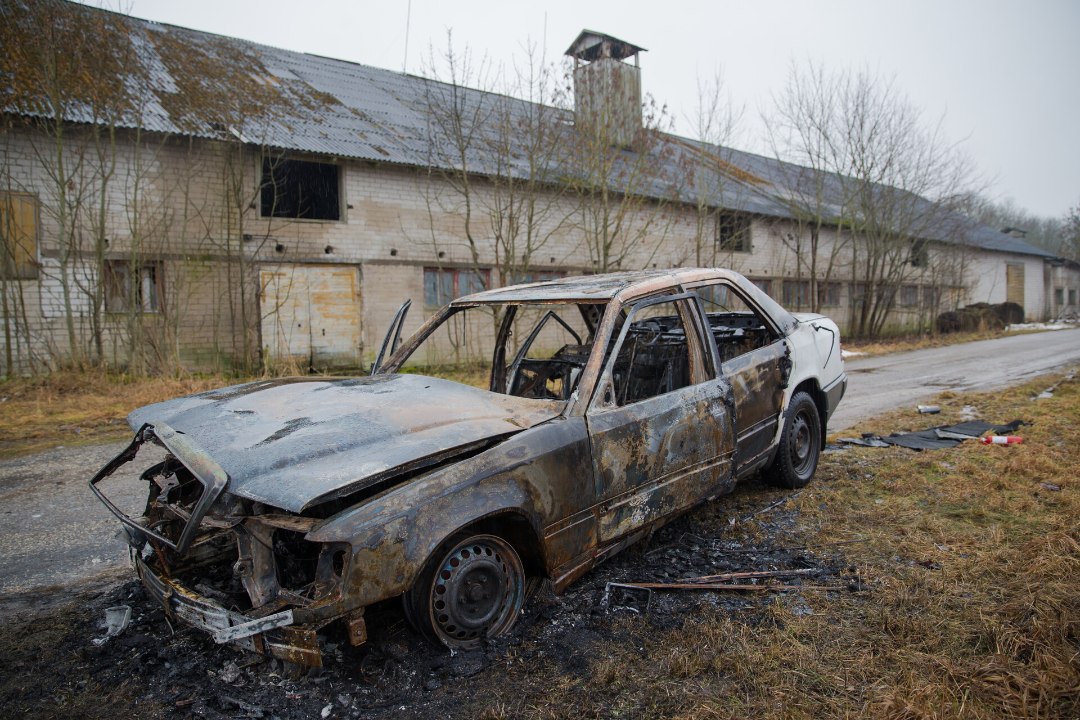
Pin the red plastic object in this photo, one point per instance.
(1002, 440)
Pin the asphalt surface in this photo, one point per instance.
(54, 533)
(881, 383)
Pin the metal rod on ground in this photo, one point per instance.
(749, 574)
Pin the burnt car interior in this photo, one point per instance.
(737, 328)
(539, 351)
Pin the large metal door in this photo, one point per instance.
(311, 315)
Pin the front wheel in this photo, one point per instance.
(471, 588)
(800, 444)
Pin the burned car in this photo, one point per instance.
(608, 405)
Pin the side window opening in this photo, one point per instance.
(735, 325)
(654, 357)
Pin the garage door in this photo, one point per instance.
(1014, 284)
(311, 315)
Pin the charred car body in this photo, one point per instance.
(613, 403)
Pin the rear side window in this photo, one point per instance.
(735, 324)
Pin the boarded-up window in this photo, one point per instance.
(1014, 283)
(300, 190)
(132, 287)
(18, 235)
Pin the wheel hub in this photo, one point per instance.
(477, 591)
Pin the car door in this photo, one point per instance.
(659, 422)
(755, 359)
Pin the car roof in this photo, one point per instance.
(626, 285)
(593, 288)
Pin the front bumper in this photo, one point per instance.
(273, 634)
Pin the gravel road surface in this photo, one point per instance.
(54, 533)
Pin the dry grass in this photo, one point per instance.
(70, 407)
(971, 607)
(67, 408)
(917, 342)
(921, 342)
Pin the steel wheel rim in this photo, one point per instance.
(477, 591)
(802, 445)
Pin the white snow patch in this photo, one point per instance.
(850, 354)
(1040, 326)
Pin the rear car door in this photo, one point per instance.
(659, 422)
(755, 359)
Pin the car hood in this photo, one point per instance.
(295, 442)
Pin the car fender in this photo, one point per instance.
(535, 477)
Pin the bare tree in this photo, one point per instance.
(1070, 234)
(879, 173)
(707, 164)
(493, 158)
(803, 128)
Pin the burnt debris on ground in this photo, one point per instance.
(935, 438)
(51, 666)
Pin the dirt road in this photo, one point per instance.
(54, 532)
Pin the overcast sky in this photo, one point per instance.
(1005, 74)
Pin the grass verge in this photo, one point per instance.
(969, 607)
(67, 408)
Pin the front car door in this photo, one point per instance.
(659, 421)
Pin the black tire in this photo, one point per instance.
(471, 588)
(800, 444)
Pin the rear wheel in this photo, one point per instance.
(800, 444)
(471, 588)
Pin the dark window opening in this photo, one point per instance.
(130, 287)
(300, 190)
(1072, 296)
(909, 295)
(763, 284)
(920, 256)
(1059, 296)
(733, 232)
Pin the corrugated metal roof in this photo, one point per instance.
(320, 105)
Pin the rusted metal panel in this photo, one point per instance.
(322, 497)
(254, 627)
(311, 315)
(293, 442)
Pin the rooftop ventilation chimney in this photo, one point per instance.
(607, 91)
